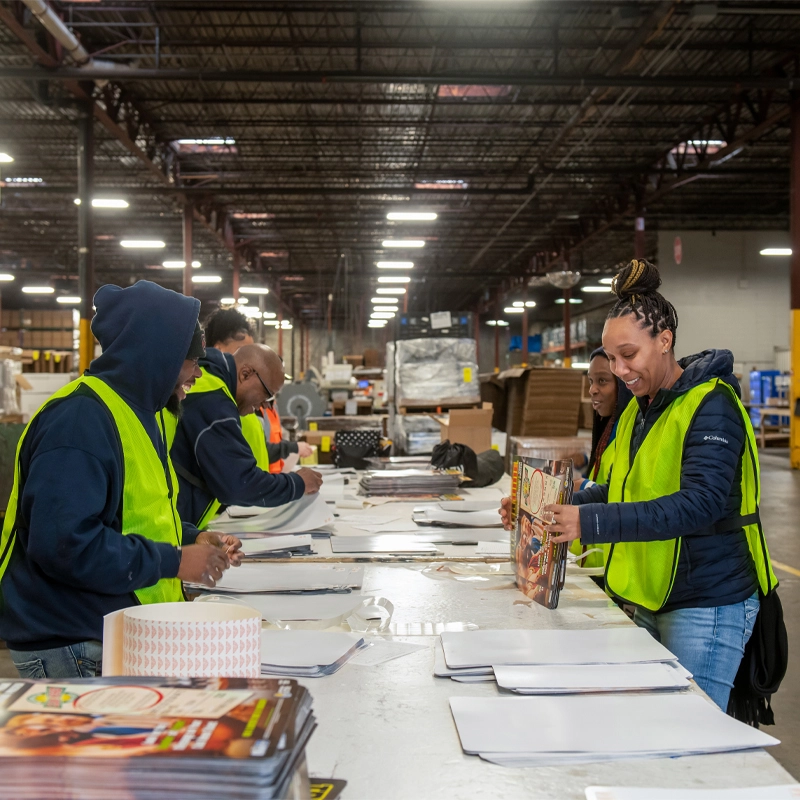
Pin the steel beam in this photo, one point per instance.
(85, 236)
(794, 227)
(188, 248)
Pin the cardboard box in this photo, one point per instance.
(323, 441)
(469, 426)
(373, 358)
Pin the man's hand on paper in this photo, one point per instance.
(232, 545)
(567, 522)
(202, 563)
(505, 513)
(312, 480)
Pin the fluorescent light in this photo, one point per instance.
(377, 323)
(105, 202)
(381, 315)
(214, 140)
(151, 244)
(180, 264)
(25, 180)
(227, 301)
(395, 265)
(573, 301)
(580, 365)
(384, 308)
(6, 276)
(530, 304)
(393, 290)
(398, 279)
(596, 289)
(253, 290)
(776, 251)
(491, 322)
(518, 304)
(411, 216)
(206, 279)
(251, 312)
(38, 289)
(513, 310)
(68, 300)
(384, 300)
(286, 325)
(502, 323)
(270, 315)
(242, 301)
(606, 281)
(403, 243)
(5, 158)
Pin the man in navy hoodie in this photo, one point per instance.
(64, 561)
(215, 464)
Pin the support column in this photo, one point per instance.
(567, 323)
(188, 248)
(525, 331)
(85, 235)
(294, 374)
(280, 318)
(497, 334)
(308, 348)
(236, 268)
(638, 238)
(794, 228)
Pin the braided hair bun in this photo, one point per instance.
(636, 286)
(639, 277)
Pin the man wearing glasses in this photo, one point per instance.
(216, 466)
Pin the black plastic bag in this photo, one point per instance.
(353, 448)
(482, 470)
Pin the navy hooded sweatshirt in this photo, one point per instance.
(71, 564)
(714, 569)
(211, 450)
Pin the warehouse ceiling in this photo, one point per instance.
(536, 131)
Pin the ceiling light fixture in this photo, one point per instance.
(403, 243)
(384, 300)
(180, 264)
(377, 323)
(606, 281)
(394, 290)
(395, 265)
(513, 310)
(142, 244)
(105, 202)
(5, 158)
(411, 216)
(227, 301)
(24, 180)
(270, 315)
(68, 300)
(573, 301)
(381, 315)
(776, 251)
(206, 279)
(530, 304)
(384, 308)
(518, 304)
(596, 289)
(6, 276)
(398, 279)
(253, 290)
(38, 289)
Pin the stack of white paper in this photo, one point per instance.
(252, 578)
(789, 791)
(485, 518)
(309, 513)
(569, 729)
(278, 546)
(382, 544)
(309, 606)
(307, 654)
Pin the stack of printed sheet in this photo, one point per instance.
(307, 654)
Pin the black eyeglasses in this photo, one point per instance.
(270, 395)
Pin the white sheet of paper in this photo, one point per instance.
(460, 506)
(488, 518)
(628, 645)
(614, 724)
(268, 544)
(252, 578)
(292, 607)
(382, 650)
(400, 526)
(568, 678)
(441, 670)
(493, 549)
(309, 513)
(789, 791)
(305, 648)
(290, 462)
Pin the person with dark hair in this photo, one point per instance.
(227, 329)
(680, 510)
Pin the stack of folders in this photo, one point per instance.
(408, 483)
(278, 546)
(110, 738)
(307, 653)
(469, 517)
(583, 709)
(561, 661)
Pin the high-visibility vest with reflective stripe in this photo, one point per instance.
(149, 492)
(255, 438)
(599, 474)
(275, 434)
(643, 573)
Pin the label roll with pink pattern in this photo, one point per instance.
(197, 640)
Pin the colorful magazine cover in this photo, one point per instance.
(540, 563)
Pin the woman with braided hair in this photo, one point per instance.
(680, 508)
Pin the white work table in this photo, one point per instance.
(387, 730)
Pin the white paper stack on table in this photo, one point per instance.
(307, 654)
(259, 578)
(408, 482)
(790, 791)
(198, 739)
(561, 661)
(571, 729)
(298, 544)
(309, 513)
(485, 518)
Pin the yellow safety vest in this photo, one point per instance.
(594, 560)
(643, 573)
(252, 430)
(149, 502)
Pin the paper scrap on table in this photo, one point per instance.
(383, 650)
(493, 549)
(387, 527)
(789, 791)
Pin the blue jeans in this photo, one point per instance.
(82, 660)
(709, 642)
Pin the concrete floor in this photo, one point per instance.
(780, 510)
